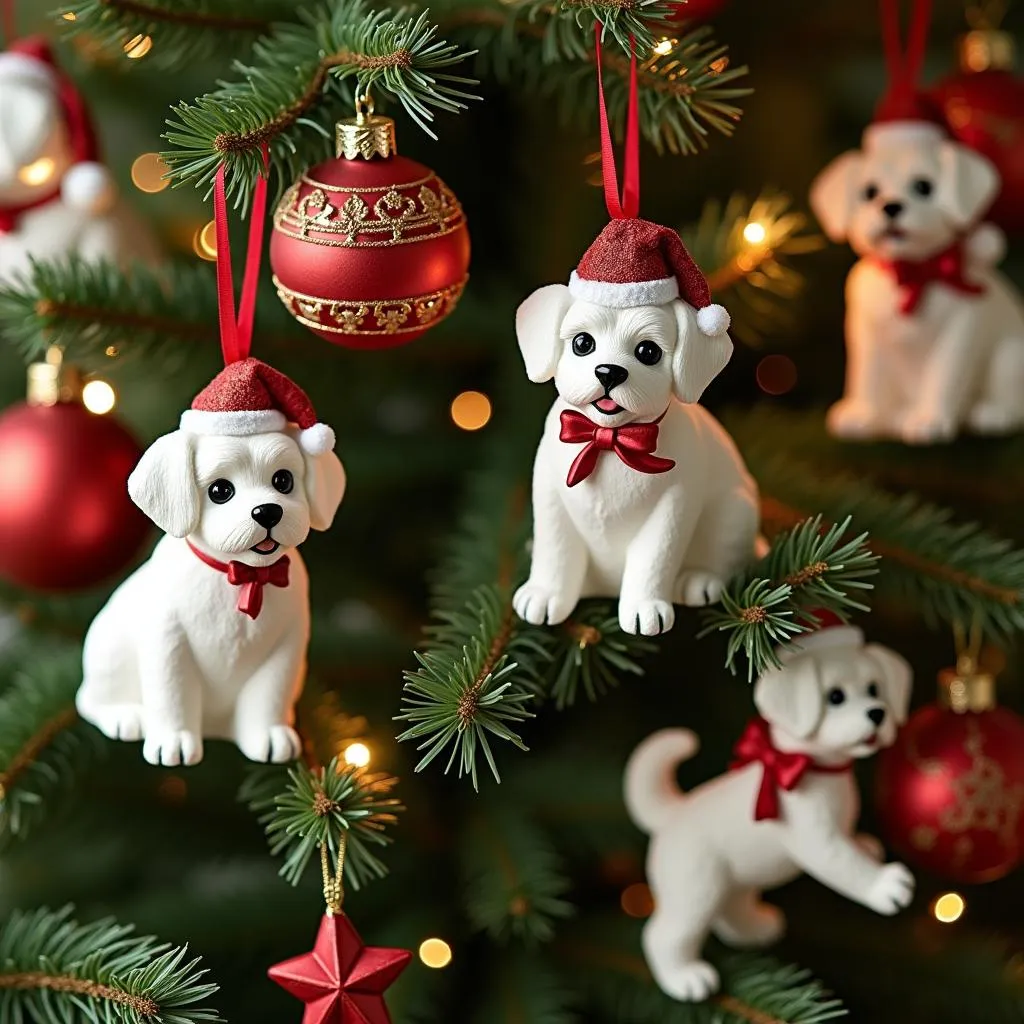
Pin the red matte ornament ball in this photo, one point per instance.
(66, 517)
(698, 10)
(951, 792)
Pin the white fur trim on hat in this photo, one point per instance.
(821, 639)
(88, 186)
(26, 69)
(317, 439)
(884, 134)
(624, 295)
(233, 424)
(713, 320)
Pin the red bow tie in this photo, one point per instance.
(913, 277)
(9, 214)
(251, 578)
(634, 444)
(781, 770)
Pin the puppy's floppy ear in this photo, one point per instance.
(968, 182)
(538, 322)
(325, 487)
(790, 696)
(698, 358)
(163, 484)
(834, 192)
(895, 676)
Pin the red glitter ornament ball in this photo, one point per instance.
(66, 517)
(371, 249)
(951, 789)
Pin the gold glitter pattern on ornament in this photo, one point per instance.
(371, 316)
(340, 216)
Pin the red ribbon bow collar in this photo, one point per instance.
(782, 770)
(914, 276)
(634, 444)
(10, 215)
(251, 578)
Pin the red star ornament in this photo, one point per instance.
(342, 981)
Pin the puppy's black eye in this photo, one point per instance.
(583, 344)
(922, 187)
(221, 491)
(648, 353)
(872, 689)
(283, 481)
(836, 696)
(870, 191)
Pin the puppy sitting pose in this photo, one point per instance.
(788, 805)
(638, 492)
(934, 334)
(208, 638)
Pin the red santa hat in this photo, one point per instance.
(827, 631)
(249, 397)
(904, 114)
(87, 184)
(635, 262)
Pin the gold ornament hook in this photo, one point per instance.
(367, 135)
(968, 687)
(334, 880)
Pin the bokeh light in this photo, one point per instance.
(138, 46)
(38, 172)
(662, 48)
(949, 907)
(148, 173)
(776, 374)
(637, 900)
(755, 233)
(435, 953)
(204, 242)
(471, 410)
(357, 755)
(99, 397)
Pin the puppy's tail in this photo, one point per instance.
(651, 790)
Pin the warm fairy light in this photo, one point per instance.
(204, 242)
(111, 351)
(69, 16)
(776, 374)
(755, 233)
(435, 952)
(148, 173)
(98, 397)
(38, 172)
(665, 46)
(718, 66)
(471, 410)
(637, 900)
(949, 907)
(357, 755)
(138, 46)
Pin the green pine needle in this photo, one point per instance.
(54, 970)
(303, 808)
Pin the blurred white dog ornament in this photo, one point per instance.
(208, 637)
(934, 333)
(638, 492)
(788, 805)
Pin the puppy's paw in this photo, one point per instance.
(118, 721)
(698, 588)
(854, 421)
(691, 983)
(172, 747)
(646, 617)
(928, 427)
(893, 889)
(992, 418)
(541, 606)
(275, 744)
(871, 845)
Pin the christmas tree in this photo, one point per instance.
(454, 782)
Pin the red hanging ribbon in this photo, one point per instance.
(629, 205)
(904, 66)
(10, 27)
(236, 330)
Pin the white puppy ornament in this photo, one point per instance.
(638, 492)
(788, 805)
(934, 334)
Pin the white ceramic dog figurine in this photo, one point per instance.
(934, 334)
(788, 806)
(208, 638)
(630, 359)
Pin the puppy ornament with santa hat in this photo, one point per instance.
(208, 638)
(56, 198)
(638, 492)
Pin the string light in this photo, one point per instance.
(776, 374)
(471, 410)
(148, 173)
(949, 907)
(69, 16)
(138, 46)
(38, 172)
(637, 900)
(435, 953)
(664, 47)
(204, 242)
(357, 755)
(99, 397)
(755, 233)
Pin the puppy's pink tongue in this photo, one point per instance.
(607, 405)
(265, 547)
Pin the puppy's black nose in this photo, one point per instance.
(268, 516)
(610, 374)
(892, 210)
(877, 715)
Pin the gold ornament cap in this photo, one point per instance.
(968, 687)
(53, 381)
(987, 49)
(366, 135)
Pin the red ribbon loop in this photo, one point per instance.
(236, 330)
(634, 444)
(904, 66)
(914, 276)
(629, 205)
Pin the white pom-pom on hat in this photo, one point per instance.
(88, 187)
(713, 320)
(317, 439)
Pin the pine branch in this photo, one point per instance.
(808, 568)
(303, 808)
(301, 79)
(56, 971)
(513, 877)
(43, 744)
(521, 988)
